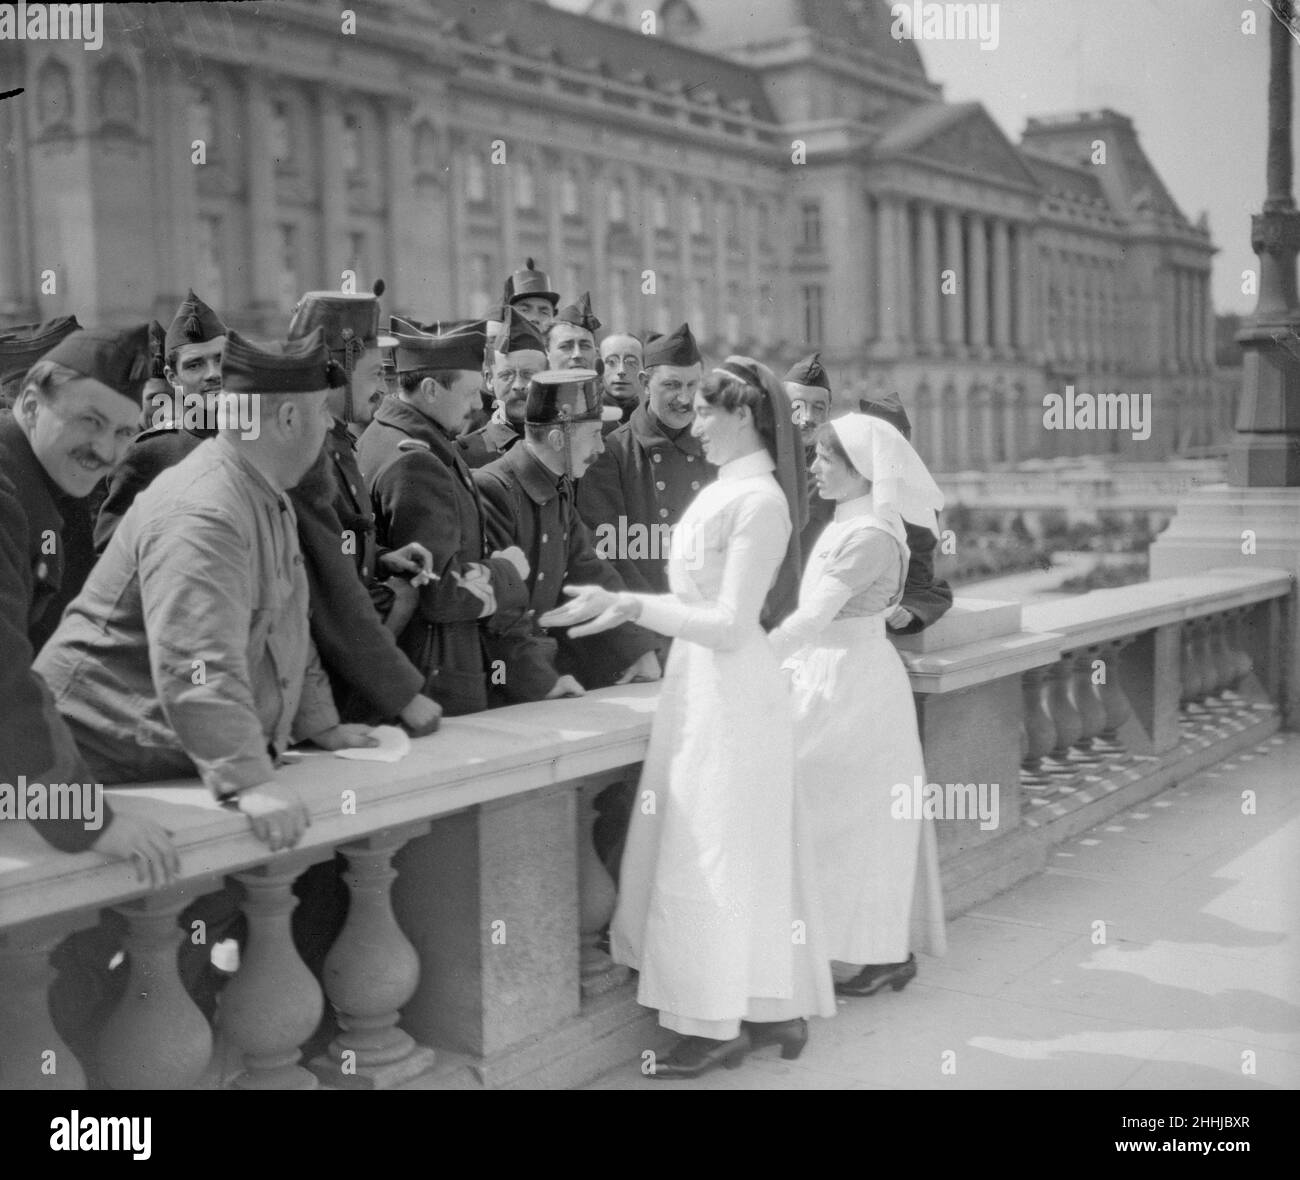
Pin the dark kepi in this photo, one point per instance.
(530, 283)
(677, 348)
(810, 372)
(517, 334)
(579, 312)
(462, 349)
(563, 396)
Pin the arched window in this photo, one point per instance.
(54, 96)
(202, 117)
(118, 104)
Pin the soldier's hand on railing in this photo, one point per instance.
(422, 716)
(566, 686)
(343, 737)
(646, 669)
(278, 814)
(146, 844)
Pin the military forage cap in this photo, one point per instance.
(462, 349)
(116, 358)
(516, 335)
(579, 313)
(809, 371)
(677, 348)
(889, 409)
(22, 345)
(563, 395)
(530, 283)
(194, 323)
(300, 366)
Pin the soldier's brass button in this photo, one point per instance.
(544, 538)
(663, 511)
(541, 574)
(695, 485)
(690, 458)
(661, 485)
(657, 457)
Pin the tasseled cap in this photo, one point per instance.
(461, 349)
(888, 409)
(516, 335)
(677, 348)
(529, 283)
(563, 395)
(809, 371)
(157, 351)
(579, 313)
(350, 322)
(298, 366)
(118, 358)
(194, 323)
(22, 345)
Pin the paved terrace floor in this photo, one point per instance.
(1200, 964)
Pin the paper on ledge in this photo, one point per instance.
(394, 745)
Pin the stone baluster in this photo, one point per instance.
(1193, 681)
(32, 1054)
(157, 1039)
(1239, 662)
(596, 898)
(1215, 662)
(274, 1003)
(1092, 714)
(1114, 700)
(1040, 730)
(1065, 719)
(370, 972)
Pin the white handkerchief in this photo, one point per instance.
(394, 745)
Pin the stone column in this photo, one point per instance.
(180, 212)
(263, 259)
(415, 238)
(977, 286)
(157, 1039)
(1011, 411)
(928, 280)
(934, 431)
(553, 185)
(906, 262)
(953, 306)
(457, 293)
(334, 252)
(35, 1056)
(719, 195)
(599, 224)
(887, 262)
(1001, 289)
(505, 188)
(596, 898)
(962, 410)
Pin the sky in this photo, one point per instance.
(1194, 84)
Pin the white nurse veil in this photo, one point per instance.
(900, 481)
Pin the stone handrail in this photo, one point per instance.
(477, 901)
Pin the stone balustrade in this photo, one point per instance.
(470, 953)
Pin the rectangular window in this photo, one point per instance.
(810, 225)
(289, 289)
(812, 314)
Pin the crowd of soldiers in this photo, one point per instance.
(213, 548)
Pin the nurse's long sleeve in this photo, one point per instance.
(866, 557)
(756, 544)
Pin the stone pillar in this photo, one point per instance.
(16, 278)
(415, 238)
(370, 972)
(1011, 410)
(553, 184)
(905, 259)
(490, 901)
(334, 253)
(274, 1002)
(934, 432)
(598, 226)
(179, 212)
(34, 1056)
(887, 262)
(1001, 288)
(953, 305)
(457, 292)
(157, 1039)
(505, 187)
(962, 410)
(977, 286)
(263, 259)
(928, 280)
(596, 898)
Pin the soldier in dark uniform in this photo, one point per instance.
(516, 354)
(74, 411)
(421, 490)
(651, 469)
(809, 389)
(925, 597)
(529, 496)
(193, 346)
(355, 584)
(530, 293)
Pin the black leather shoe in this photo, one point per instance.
(692, 1056)
(791, 1035)
(875, 976)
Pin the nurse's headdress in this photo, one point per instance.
(901, 484)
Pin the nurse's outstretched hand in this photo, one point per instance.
(602, 607)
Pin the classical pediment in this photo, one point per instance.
(963, 137)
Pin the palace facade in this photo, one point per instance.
(784, 175)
